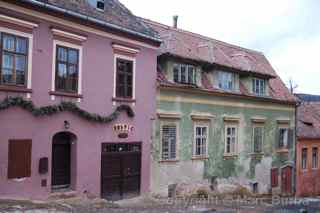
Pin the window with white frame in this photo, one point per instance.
(169, 141)
(314, 157)
(67, 67)
(15, 58)
(231, 139)
(226, 80)
(258, 132)
(304, 158)
(201, 135)
(259, 86)
(124, 77)
(185, 74)
(283, 137)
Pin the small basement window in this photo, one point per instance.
(100, 5)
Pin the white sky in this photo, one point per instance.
(286, 31)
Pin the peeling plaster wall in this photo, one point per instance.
(246, 168)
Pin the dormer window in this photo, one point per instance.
(259, 86)
(226, 80)
(184, 74)
(100, 5)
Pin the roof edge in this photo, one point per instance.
(149, 21)
(91, 19)
(200, 90)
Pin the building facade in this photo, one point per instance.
(75, 77)
(225, 119)
(308, 145)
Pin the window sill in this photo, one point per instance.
(283, 150)
(257, 154)
(125, 100)
(65, 94)
(229, 156)
(200, 158)
(17, 89)
(169, 161)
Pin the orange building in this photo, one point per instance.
(308, 147)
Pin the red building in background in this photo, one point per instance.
(308, 146)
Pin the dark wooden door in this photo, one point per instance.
(286, 180)
(61, 164)
(120, 171)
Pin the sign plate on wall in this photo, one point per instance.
(123, 130)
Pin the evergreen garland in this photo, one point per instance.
(63, 106)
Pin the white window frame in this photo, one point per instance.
(200, 125)
(236, 139)
(317, 162)
(187, 66)
(257, 91)
(53, 80)
(29, 36)
(168, 123)
(253, 137)
(285, 139)
(221, 79)
(133, 59)
(306, 160)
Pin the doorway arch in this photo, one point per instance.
(63, 158)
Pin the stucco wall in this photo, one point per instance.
(245, 168)
(308, 180)
(97, 90)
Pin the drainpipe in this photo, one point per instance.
(295, 147)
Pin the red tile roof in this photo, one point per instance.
(309, 120)
(184, 44)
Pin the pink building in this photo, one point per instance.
(93, 65)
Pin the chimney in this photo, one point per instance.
(175, 21)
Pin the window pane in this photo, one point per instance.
(20, 63)
(73, 56)
(183, 74)
(176, 73)
(191, 75)
(7, 76)
(8, 42)
(7, 61)
(21, 45)
(20, 77)
(62, 70)
(62, 54)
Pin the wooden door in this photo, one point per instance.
(120, 171)
(286, 180)
(61, 160)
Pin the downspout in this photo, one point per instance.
(295, 148)
(90, 19)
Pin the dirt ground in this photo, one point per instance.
(151, 205)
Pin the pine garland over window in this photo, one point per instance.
(64, 106)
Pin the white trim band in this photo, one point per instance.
(18, 22)
(68, 35)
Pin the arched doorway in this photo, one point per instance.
(62, 160)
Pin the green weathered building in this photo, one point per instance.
(225, 118)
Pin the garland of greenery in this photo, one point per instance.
(63, 106)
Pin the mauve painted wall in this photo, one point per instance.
(97, 89)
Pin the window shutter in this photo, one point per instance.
(290, 138)
(19, 159)
(274, 177)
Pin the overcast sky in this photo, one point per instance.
(286, 31)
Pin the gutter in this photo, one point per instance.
(90, 19)
(208, 92)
